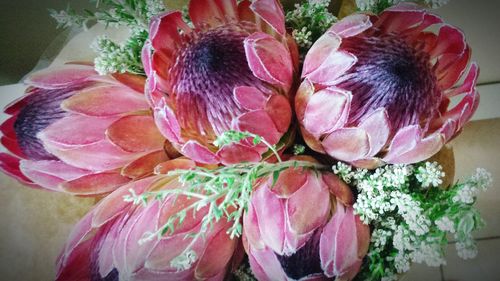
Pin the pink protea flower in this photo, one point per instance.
(105, 243)
(378, 88)
(290, 234)
(233, 70)
(79, 132)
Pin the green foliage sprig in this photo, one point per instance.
(134, 15)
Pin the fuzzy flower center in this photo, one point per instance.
(208, 67)
(392, 74)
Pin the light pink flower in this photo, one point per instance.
(105, 243)
(378, 88)
(233, 70)
(78, 132)
(290, 234)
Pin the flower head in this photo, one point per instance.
(290, 234)
(378, 88)
(232, 71)
(78, 132)
(115, 239)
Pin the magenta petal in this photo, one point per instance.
(351, 25)
(249, 98)
(10, 165)
(164, 31)
(332, 68)
(272, 13)
(60, 76)
(320, 50)
(347, 144)
(269, 60)
(327, 110)
(212, 13)
(378, 128)
(199, 153)
(236, 153)
(469, 82)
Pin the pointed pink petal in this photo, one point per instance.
(77, 266)
(265, 265)
(50, 170)
(272, 13)
(449, 40)
(470, 82)
(10, 166)
(60, 76)
(249, 98)
(199, 153)
(105, 101)
(167, 124)
(400, 20)
(145, 165)
(312, 142)
(288, 182)
(271, 227)
(95, 184)
(257, 122)
(338, 188)
(212, 13)
(251, 230)
(405, 140)
(327, 110)
(135, 133)
(12, 145)
(423, 150)
(351, 25)
(333, 67)
(319, 52)
(134, 82)
(450, 67)
(378, 128)
(77, 236)
(75, 131)
(237, 153)
(269, 60)
(347, 144)
(279, 109)
(302, 97)
(164, 31)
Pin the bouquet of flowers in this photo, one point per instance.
(237, 140)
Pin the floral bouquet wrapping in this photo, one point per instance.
(238, 140)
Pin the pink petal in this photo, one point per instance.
(405, 140)
(77, 266)
(164, 31)
(75, 131)
(347, 144)
(10, 166)
(167, 124)
(145, 165)
(279, 109)
(288, 182)
(174, 164)
(470, 82)
(250, 98)
(302, 97)
(449, 40)
(327, 110)
(134, 82)
(237, 153)
(77, 235)
(271, 227)
(400, 20)
(378, 128)
(95, 184)
(135, 133)
(60, 76)
(269, 60)
(251, 230)
(423, 150)
(450, 67)
(265, 265)
(199, 153)
(338, 188)
(272, 13)
(57, 169)
(212, 13)
(319, 52)
(332, 68)
(351, 25)
(257, 122)
(12, 145)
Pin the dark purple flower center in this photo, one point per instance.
(43, 107)
(391, 73)
(207, 70)
(305, 262)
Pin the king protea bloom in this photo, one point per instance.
(303, 228)
(377, 88)
(107, 244)
(233, 70)
(79, 132)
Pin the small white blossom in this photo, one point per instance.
(482, 179)
(465, 194)
(154, 7)
(445, 224)
(466, 250)
(184, 260)
(430, 175)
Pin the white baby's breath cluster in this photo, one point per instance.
(430, 175)
(309, 20)
(411, 215)
(114, 58)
